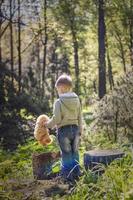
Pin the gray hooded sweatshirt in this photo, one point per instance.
(66, 111)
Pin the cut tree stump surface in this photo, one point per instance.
(94, 157)
(104, 152)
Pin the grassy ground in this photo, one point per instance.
(17, 182)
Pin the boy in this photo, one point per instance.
(68, 121)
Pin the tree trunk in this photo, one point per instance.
(11, 43)
(38, 65)
(120, 47)
(122, 55)
(76, 62)
(95, 86)
(45, 45)
(131, 33)
(101, 41)
(110, 74)
(0, 32)
(122, 52)
(0, 46)
(19, 47)
(52, 86)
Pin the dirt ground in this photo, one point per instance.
(34, 190)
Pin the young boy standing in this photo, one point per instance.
(67, 118)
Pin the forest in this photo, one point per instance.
(92, 41)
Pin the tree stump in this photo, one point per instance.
(42, 163)
(93, 158)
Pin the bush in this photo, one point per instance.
(14, 127)
(114, 113)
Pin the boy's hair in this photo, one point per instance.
(64, 80)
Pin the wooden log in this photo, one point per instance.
(93, 158)
(42, 162)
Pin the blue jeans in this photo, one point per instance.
(68, 137)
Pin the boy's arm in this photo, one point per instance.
(80, 121)
(56, 118)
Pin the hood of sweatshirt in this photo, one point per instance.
(70, 100)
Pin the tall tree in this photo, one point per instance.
(45, 44)
(38, 64)
(11, 41)
(110, 74)
(19, 45)
(73, 19)
(131, 31)
(101, 50)
(120, 46)
(1, 29)
(121, 17)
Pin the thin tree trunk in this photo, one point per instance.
(101, 41)
(76, 61)
(131, 33)
(121, 48)
(19, 47)
(122, 52)
(110, 74)
(38, 65)
(45, 45)
(0, 45)
(122, 55)
(0, 32)
(54, 68)
(94, 86)
(11, 42)
(52, 86)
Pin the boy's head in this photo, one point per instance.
(63, 84)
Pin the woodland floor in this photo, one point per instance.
(36, 189)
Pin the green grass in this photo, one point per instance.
(18, 164)
(115, 184)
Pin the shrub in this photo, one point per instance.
(14, 127)
(114, 113)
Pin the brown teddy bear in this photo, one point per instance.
(41, 133)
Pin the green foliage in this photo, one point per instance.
(16, 168)
(100, 140)
(114, 115)
(17, 111)
(18, 164)
(114, 112)
(88, 117)
(117, 178)
(116, 183)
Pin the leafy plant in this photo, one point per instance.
(116, 183)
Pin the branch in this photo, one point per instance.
(9, 19)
